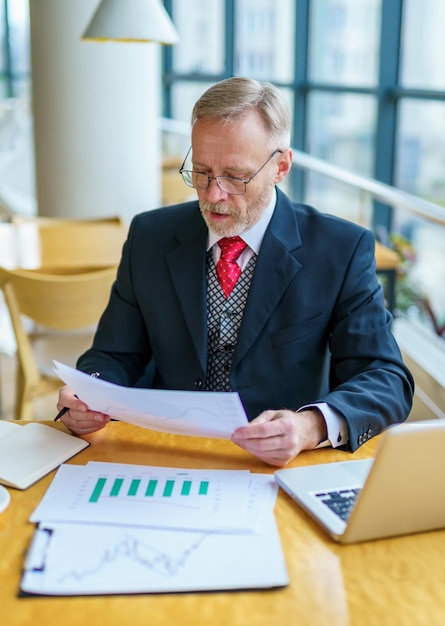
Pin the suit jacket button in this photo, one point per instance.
(198, 383)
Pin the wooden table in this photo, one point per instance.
(394, 582)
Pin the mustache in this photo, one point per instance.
(220, 208)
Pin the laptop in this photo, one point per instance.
(401, 491)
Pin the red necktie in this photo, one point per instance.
(227, 268)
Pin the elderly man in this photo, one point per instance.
(245, 290)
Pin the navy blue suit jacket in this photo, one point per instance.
(314, 329)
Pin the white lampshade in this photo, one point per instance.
(131, 20)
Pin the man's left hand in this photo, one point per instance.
(277, 437)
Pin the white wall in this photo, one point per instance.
(96, 108)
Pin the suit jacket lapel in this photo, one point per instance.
(187, 266)
(275, 268)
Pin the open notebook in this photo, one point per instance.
(399, 492)
(28, 452)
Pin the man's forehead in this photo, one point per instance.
(234, 147)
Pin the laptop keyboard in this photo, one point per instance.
(340, 502)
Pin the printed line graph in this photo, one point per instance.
(138, 553)
(92, 559)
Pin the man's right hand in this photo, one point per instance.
(78, 419)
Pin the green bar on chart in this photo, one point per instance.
(151, 488)
(134, 486)
(116, 487)
(186, 486)
(98, 488)
(168, 489)
(203, 487)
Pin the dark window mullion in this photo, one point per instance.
(8, 73)
(301, 55)
(384, 164)
(229, 38)
(167, 69)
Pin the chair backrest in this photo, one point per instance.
(50, 244)
(55, 221)
(60, 301)
(173, 188)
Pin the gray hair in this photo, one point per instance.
(233, 98)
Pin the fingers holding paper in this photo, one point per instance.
(278, 436)
(78, 419)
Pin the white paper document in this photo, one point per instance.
(114, 528)
(139, 495)
(87, 559)
(199, 413)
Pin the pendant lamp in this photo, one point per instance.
(131, 20)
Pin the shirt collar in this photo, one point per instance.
(254, 235)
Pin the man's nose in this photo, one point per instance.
(214, 192)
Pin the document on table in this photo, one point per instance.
(199, 413)
(139, 495)
(112, 528)
(89, 559)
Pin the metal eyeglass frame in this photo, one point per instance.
(188, 181)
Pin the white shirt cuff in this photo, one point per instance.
(335, 424)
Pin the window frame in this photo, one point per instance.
(388, 92)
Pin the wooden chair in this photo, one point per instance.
(63, 245)
(173, 188)
(67, 305)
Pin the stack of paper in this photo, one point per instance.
(109, 528)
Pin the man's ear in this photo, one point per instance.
(284, 165)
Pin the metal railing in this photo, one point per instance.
(380, 191)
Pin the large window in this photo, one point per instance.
(366, 84)
(423, 45)
(344, 42)
(365, 81)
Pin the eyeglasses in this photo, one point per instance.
(228, 184)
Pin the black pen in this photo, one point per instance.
(65, 409)
(61, 413)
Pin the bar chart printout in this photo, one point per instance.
(148, 496)
(153, 488)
